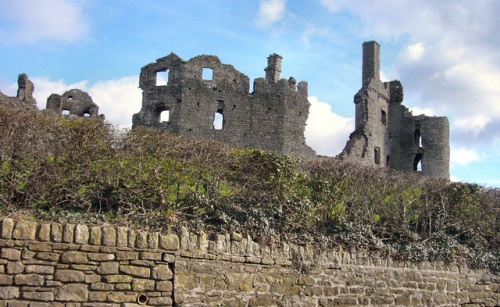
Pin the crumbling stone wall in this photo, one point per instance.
(271, 118)
(75, 102)
(24, 99)
(52, 264)
(387, 134)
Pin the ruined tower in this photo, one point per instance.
(387, 134)
(24, 98)
(204, 98)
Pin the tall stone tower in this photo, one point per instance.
(273, 69)
(387, 133)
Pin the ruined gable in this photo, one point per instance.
(205, 98)
(387, 134)
(73, 102)
(24, 99)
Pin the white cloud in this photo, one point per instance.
(414, 52)
(117, 99)
(463, 156)
(27, 21)
(326, 132)
(270, 11)
(472, 125)
(331, 5)
(420, 111)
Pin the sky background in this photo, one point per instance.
(445, 53)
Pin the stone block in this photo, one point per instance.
(25, 230)
(48, 256)
(122, 237)
(117, 278)
(168, 258)
(101, 257)
(15, 267)
(10, 254)
(40, 269)
(92, 278)
(150, 256)
(7, 228)
(124, 255)
(68, 276)
(6, 280)
(106, 268)
(109, 236)
(143, 285)
(74, 257)
(44, 232)
(56, 233)
(161, 272)
(164, 286)
(28, 280)
(153, 240)
(8, 293)
(82, 234)
(103, 286)
(68, 233)
(131, 238)
(160, 301)
(95, 235)
(123, 287)
(38, 296)
(135, 270)
(146, 263)
(141, 240)
(72, 293)
(121, 297)
(27, 254)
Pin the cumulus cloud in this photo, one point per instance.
(117, 99)
(26, 21)
(463, 156)
(326, 132)
(270, 11)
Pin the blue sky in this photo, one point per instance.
(445, 53)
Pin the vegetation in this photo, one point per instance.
(86, 171)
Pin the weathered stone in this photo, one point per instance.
(122, 237)
(8, 293)
(74, 257)
(68, 233)
(7, 228)
(6, 279)
(169, 242)
(39, 269)
(68, 276)
(101, 257)
(160, 301)
(109, 236)
(117, 278)
(56, 233)
(27, 254)
(15, 267)
(150, 256)
(135, 270)
(106, 268)
(168, 258)
(161, 272)
(92, 278)
(47, 256)
(103, 286)
(72, 293)
(44, 232)
(24, 230)
(141, 240)
(82, 234)
(131, 238)
(153, 240)
(121, 297)
(143, 285)
(28, 280)
(10, 254)
(39, 296)
(165, 286)
(122, 255)
(95, 235)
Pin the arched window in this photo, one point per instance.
(376, 152)
(417, 136)
(383, 117)
(417, 162)
(165, 116)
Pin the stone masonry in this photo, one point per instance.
(24, 99)
(75, 102)
(386, 132)
(195, 94)
(52, 264)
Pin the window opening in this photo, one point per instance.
(383, 118)
(70, 97)
(207, 73)
(376, 151)
(86, 114)
(165, 116)
(387, 160)
(417, 162)
(218, 120)
(219, 116)
(162, 77)
(65, 112)
(418, 138)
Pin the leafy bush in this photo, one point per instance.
(85, 170)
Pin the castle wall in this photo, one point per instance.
(271, 118)
(52, 264)
(24, 99)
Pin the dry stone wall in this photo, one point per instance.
(52, 264)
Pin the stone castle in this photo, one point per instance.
(205, 98)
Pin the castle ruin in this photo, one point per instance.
(204, 98)
(24, 99)
(387, 134)
(73, 102)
